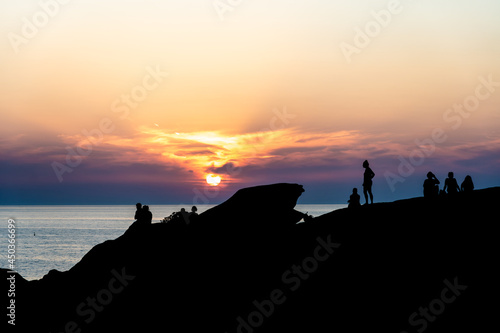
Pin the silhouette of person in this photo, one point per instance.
(467, 185)
(367, 182)
(146, 215)
(193, 214)
(451, 184)
(431, 188)
(138, 212)
(185, 215)
(354, 199)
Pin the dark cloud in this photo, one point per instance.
(227, 169)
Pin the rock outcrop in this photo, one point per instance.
(409, 266)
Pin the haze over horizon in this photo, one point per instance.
(128, 101)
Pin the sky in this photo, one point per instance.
(114, 102)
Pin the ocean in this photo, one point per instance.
(57, 237)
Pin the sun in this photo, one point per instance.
(213, 179)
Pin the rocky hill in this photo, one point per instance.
(245, 266)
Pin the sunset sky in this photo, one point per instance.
(115, 102)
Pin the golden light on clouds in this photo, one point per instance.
(212, 156)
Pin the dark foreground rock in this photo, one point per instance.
(408, 266)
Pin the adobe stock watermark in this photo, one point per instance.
(123, 105)
(224, 6)
(425, 315)
(11, 278)
(292, 280)
(281, 119)
(363, 36)
(89, 309)
(31, 25)
(454, 116)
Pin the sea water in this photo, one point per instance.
(57, 237)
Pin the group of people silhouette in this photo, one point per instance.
(431, 190)
(431, 186)
(367, 188)
(143, 215)
(184, 216)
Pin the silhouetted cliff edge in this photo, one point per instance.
(407, 266)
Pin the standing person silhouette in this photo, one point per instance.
(451, 184)
(367, 182)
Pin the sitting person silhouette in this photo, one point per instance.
(146, 215)
(467, 185)
(193, 215)
(451, 184)
(354, 199)
(431, 188)
(184, 215)
(367, 182)
(139, 211)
